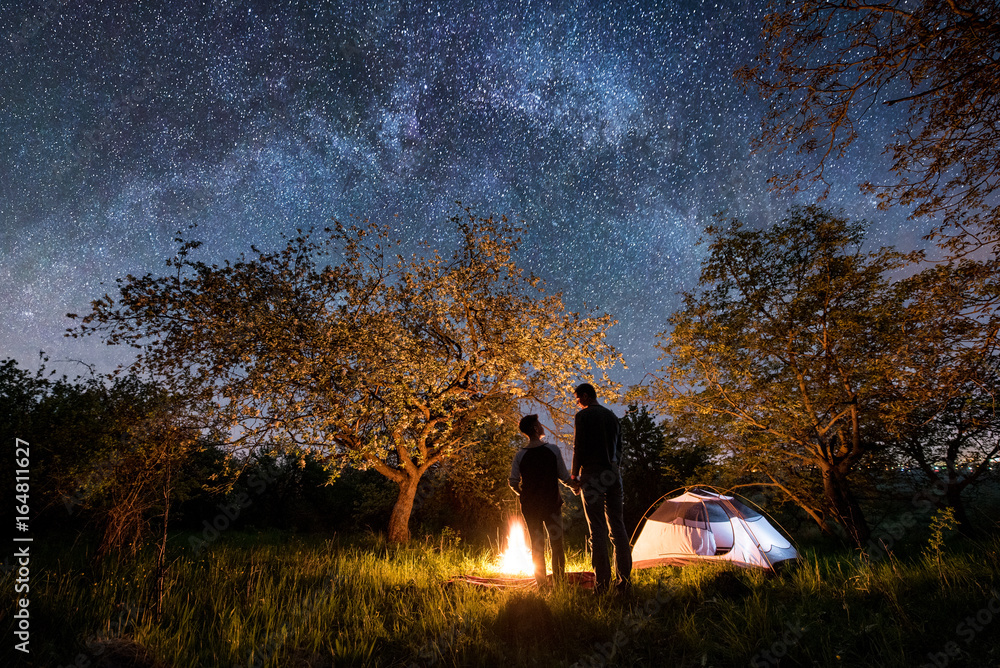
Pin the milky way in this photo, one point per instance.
(614, 132)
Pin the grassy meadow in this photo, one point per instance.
(283, 600)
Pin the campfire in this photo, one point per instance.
(516, 566)
(516, 557)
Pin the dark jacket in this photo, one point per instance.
(597, 439)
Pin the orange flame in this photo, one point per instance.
(516, 557)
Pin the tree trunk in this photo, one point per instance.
(808, 508)
(953, 499)
(399, 522)
(845, 506)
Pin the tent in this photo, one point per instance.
(700, 526)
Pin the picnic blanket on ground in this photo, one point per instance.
(585, 579)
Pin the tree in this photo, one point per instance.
(657, 459)
(941, 411)
(826, 63)
(685, 459)
(369, 359)
(20, 392)
(107, 452)
(469, 492)
(129, 474)
(642, 462)
(782, 351)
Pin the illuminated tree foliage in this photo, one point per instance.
(826, 63)
(783, 353)
(343, 344)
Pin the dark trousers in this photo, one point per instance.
(603, 505)
(537, 525)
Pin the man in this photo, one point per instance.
(534, 476)
(596, 455)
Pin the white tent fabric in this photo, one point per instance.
(703, 526)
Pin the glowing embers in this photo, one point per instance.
(516, 557)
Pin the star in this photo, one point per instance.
(614, 132)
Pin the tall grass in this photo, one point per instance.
(276, 600)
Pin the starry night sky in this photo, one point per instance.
(614, 132)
